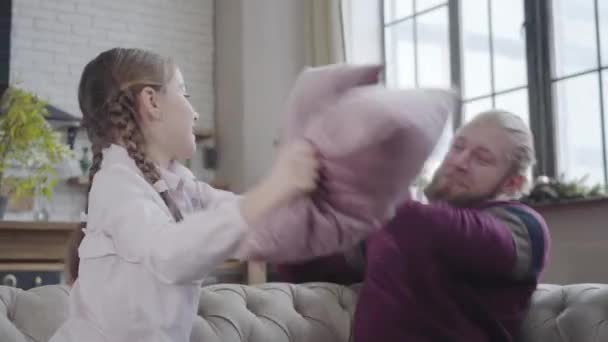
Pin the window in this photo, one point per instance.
(578, 80)
(545, 60)
(417, 52)
(493, 57)
(5, 43)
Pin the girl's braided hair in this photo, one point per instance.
(107, 94)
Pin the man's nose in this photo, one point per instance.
(462, 160)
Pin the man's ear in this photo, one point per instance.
(514, 185)
(147, 102)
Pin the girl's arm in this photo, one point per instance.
(127, 209)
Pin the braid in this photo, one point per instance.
(96, 164)
(106, 94)
(122, 115)
(72, 258)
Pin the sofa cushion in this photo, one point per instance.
(32, 315)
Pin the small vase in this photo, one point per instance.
(85, 161)
(40, 212)
(3, 205)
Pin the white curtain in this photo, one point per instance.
(324, 32)
(363, 31)
(343, 31)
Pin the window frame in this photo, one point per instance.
(5, 43)
(538, 26)
(549, 81)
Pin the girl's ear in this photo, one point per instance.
(147, 102)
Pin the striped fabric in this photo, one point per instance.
(528, 237)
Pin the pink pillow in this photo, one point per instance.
(373, 142)
(316, 88)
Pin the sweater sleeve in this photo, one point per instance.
(506, 239)
(132, 216)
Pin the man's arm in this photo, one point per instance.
(505, 239)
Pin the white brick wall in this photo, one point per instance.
(51, 41)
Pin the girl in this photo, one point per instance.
(152, 232)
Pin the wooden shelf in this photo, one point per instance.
(82, 181)
(590, 201)
(34, 241)
(231, 265)
(220, 185)
(203, 134)
(31, 267)
(38, 225)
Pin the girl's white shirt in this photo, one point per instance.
(140, 272)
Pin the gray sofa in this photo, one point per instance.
(310, 312)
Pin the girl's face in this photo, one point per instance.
(169, 125)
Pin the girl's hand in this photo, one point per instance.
(295, 172)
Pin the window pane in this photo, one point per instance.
(422, 5)
(509, 44)
(574, 36)
(471, 109)
(476, 49)
(400, 55)
(433, 49)
(579, 136)
(603, 13)
(515, 102)
(397, 9)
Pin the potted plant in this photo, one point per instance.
(547, 190)
(27, 142)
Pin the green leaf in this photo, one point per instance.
(27, 140)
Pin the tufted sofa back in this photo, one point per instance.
(316, 312)
(574, 313)
(275, 312)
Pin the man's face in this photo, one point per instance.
(476, 168)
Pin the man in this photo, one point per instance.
(464, 266)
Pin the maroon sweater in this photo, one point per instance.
(439, 273)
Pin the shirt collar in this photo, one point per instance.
(176, 176)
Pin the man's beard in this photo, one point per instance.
(435, 192)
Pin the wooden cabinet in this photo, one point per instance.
(33, 242)
(33, 254)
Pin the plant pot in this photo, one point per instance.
(3, 205)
